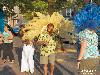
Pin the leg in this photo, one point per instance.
(19, 54)
(52, 61)
(44, 61)
(5, 52)
(45, 69)
(31, 61)
(24, 63)
(51, 69)
(11, 55)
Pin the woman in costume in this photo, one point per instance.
(86, 21)
(88, 57)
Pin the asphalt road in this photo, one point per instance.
(65, 65)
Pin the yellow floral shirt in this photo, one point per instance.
(50, 48)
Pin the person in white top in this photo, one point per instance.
(27, 61)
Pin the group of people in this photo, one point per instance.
(47, 42)
(87, 61)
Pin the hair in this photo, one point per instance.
(35, 39)
(50, 24)
(26, 41)
(6, 26)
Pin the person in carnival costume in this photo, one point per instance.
(86, 22)
(48, 47)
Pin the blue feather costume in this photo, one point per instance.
(88, 16)
(2, 21)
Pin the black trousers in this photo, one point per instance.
(1, 48)
(7, 51)
(19, 54)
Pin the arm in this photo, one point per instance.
(40, 40)
(1, 38)
(41, 43)
(82, 50)
(11, 36)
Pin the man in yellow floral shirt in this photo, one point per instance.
(48, 46)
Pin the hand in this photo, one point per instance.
(41, 43)
(9, 38)
(45, 43)
(63, 50)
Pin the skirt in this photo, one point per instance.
(89, 66)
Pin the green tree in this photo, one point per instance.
(43, 6)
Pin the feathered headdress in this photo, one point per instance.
(87, 17)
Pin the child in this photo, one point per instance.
(27, 62)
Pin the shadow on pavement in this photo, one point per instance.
(70, 73)
(57, 71)
(7, 70)
(38, 66)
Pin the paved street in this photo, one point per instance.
(65, 65)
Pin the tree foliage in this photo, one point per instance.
(43, 5)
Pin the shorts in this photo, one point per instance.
(47, 59)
